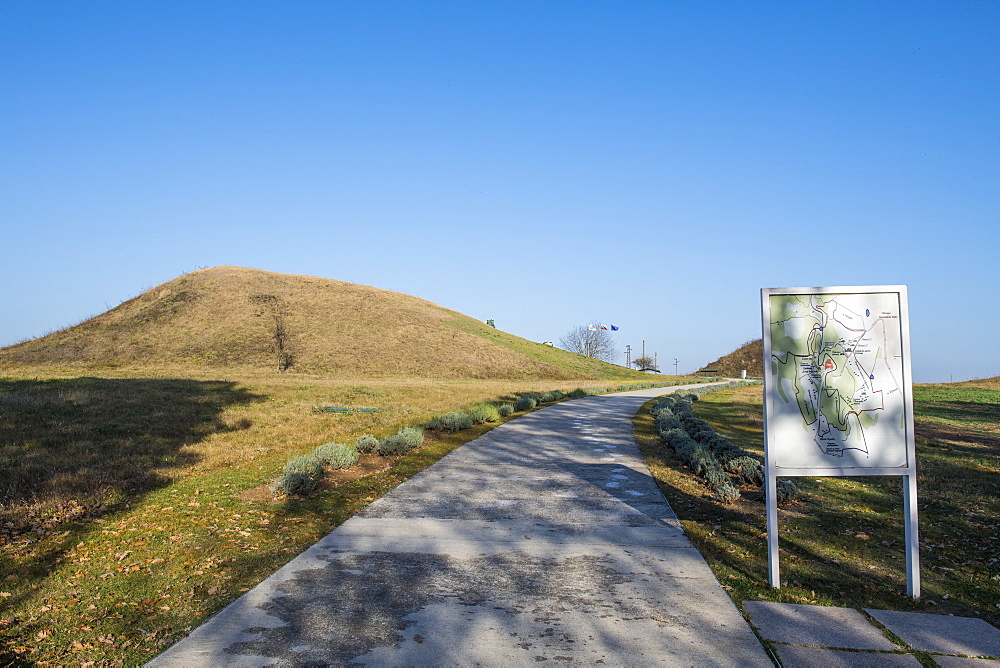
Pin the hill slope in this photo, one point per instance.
(226, 317)
(749, 357)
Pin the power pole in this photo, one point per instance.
(656, 365)
(675, 366)
(644, 348)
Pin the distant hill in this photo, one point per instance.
(227, 317)
(749, 357)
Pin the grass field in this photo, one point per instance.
(134, 507)
(842, 543)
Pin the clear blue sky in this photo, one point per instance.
(544, 164)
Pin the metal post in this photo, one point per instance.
(771, 508)
(912, 540)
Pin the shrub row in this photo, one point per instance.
(302, 474)
(708, 454)
(492, 412)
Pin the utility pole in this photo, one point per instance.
(675, 366)
(656, 365)
(643, 347)
(628, 356)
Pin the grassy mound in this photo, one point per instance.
(231, 317)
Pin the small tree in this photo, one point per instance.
(280, 343)
(645, 364)
(590, 341)
(274, 307)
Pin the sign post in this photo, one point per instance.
(838, 396)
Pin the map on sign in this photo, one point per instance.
(837, 370)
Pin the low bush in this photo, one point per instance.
(787, 492)
(392, 445)
(306, 464)
(727, 492)
(525, 402)
(294, 484)
(412, 436)
(336, 455)
(454, 421)
(366, 443)
(484, 413)
(505, 409)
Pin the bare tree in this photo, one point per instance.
(590, 341)
(275, 308)
(280, 336)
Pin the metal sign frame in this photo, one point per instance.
(774, 456)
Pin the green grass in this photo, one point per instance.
(843, 543)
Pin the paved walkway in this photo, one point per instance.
(544, 540)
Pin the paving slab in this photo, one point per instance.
(943, 634)
(795, 656)
(546, 539)
(821, 626)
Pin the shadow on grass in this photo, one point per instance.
(961, 411)
(70, 446)
(72, 450)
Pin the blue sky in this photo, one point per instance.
(543, 164)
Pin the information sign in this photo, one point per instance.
(837, 393)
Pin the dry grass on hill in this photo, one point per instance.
(225, 317)
(748, 357)
(981, 383)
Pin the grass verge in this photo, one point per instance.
(842, 543)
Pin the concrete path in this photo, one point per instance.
(545, 540)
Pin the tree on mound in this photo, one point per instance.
(273, 308)
(748, 357)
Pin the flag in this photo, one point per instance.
(591, 328)
(604, 327)
(613, 328)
